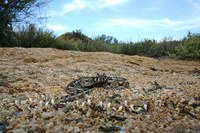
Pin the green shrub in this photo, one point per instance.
(115, 48)
(30, 36)
(35, 37)
(166, 47)
(189, 48)
(144, 48)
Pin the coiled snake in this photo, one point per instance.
(83, 85)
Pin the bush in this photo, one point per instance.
(189, 48)
(18, 12)
(35, 37)
(115, 48)
(144, 48)
(167, 47)
(30, 36)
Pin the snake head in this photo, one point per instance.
(100, 78)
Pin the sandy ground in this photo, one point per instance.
(33, 79)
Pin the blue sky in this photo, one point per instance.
(127, 20)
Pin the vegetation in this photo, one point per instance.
(30, 36)
(19, 14)
(187, 48)
(33, 37)
(15, 14)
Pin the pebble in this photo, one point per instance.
(118, 118)
(3, 126)
(170, 105)
(47, 115)
(20, 130)
(109, 129)
(136, 130)
(89, 112)
(28, 109)
(49, 125)
(198, 128)
(60, 113)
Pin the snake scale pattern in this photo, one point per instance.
(83, 85)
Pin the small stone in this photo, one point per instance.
(83, 105)
(1, 82)
(60, 105)
(170, 104)
(67, 109)
(69, 119)
(148, 116)
(146, 106)
(70, 128)
(195, 105)
(79, 119)
(120, 109)
(46, 104)
(132, 107)
(197, 98)
(126, 103)
(136, 130)
(101, 104)
(179, 129)
(198, 128)
(24, 102)
(16, 113)
(19, 130)
(89, 102)
(77, 103)
(49, 125)
(77, 130)
(30, 100)
(40, 104)
(60, 113)
(191, 102)
(52, 101)
(3, 126)
(47, 115)
(108, 106)
(118, 118)
(88, 113)
(109, 129)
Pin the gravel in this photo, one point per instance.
(163, 94)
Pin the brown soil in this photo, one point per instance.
(32, 71)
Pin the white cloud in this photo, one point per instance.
(78, 5)
(146, 24)
(56, 27)
(189, 24)
(74, 5)
(108, 3)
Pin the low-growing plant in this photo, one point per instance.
(189, 48)
(31, 36)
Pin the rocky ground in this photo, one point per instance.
(166, 93)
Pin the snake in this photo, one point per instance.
(78, 88)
